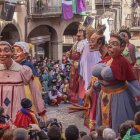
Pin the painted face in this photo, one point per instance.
(114, 47)
(80, 35)
(125, 35)
(5, 54)
(19, 55)
(93, 41)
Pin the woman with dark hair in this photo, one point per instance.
(115, 102)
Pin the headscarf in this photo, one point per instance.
(23, 45)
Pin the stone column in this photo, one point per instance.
(57, 50)
(60, 50)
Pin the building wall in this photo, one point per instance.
(56, 26)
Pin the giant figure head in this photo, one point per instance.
(21, 51)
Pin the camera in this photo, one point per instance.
(33, 134)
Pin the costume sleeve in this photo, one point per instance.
(37, 98)
(27, 77)
(26, 74)
(132, 54)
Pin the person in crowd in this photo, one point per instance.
(25, 116)
(115, 99)
(109, 134)
(124, 127)
(12, 85)
(46, 79)
(93, 135)
(65, 91)
(8, 134)
(4, 120)
(82, 133)
(54, 133)
(86, 137)
(1, 133)
(99, 131)
(20, 134)
(72, 133)
(134, 132)
(36, 132)
(54, 96)
(75, 54)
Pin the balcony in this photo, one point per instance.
(44, 8)
(45, 11)
(102, 2)
(50, 8)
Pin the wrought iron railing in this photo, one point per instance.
(101, 2)
(44, 10)
(50, 8)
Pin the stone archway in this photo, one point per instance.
(69, 35)
(45, 41)
(10, 33)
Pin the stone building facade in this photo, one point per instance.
(42, 25)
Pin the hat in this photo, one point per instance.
(5, 43)
(23, 45)
(26, 103)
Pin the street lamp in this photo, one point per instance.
(110, 22)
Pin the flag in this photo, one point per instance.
(74, 6)
(80, 6)
(67, 10)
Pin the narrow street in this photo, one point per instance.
(62, 115)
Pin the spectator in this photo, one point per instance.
(134, 132)
(1, 133)
(124, 128)
(82, 133)
(25, 115)
(4, 119)
(20, 134)
(93, 135)
(54, 133)
(8, 135)
(100, 133)
(109, 134)
(86, 137)
(72, 133)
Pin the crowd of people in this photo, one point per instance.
(98, 78)
(54, 77)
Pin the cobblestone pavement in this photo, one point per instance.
(62, 115)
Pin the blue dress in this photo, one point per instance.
(116, 102)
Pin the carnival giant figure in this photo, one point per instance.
(88, 60)
(119, 88)
(97, 48)
(13, 77)
(129, 51)
(75, 55)
(32, 89)
(21, 52)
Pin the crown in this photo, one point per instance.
(125, 28)
(100, 29)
